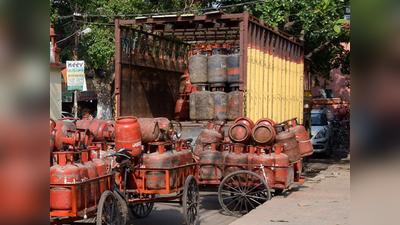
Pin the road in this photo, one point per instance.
(210, 210)
(171, 213)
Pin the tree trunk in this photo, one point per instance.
(105, 100)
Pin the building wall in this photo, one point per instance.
(55, 93)
(338, 86)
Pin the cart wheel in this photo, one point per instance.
(108, 211)
(242, 191)
(191, 201)
(142, 210)
(123, 208)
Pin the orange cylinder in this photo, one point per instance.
(246, 121)
(62, 173)
(239, 133)
(291, 146)
(265, 121)
(305, 144)
(235, 157)
(127, 135)
(184, 85)
(99, 128)
(101, 168)
(263, 134)
(161, 159)
(92, 173)
(281, 159)
(265, 160)
(181, 112)
(85, 194)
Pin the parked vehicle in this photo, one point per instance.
(67, 114)
(321, 132)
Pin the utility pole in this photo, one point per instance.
(76, 58)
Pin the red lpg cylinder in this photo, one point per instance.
(101, 168)
(187, 152)
(184, 85)
(178, 152)
(92, 172)
(225, 149)
(246, 121)
(160, 159)
(212, 156)
(181, 112)
(181, 159)
(250, 154)
(301, 134)
(84, 174)
(265, 121)
(127, 135)
(65, 133)
(149, 130)
(281, 159)
(212, 134)
(103, 145)
(265, 160)
(291, 147)
(240, 131)
(64, 172)
(99, 128)
(263, 134)
(235, 157)
(163, 124)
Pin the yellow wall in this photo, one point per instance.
(55, 93)
(274, 87)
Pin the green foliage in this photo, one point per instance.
(97, 48)
(316, 21)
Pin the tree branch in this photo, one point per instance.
(319, 48)
(289, 25)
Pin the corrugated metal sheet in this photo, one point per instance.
(274, 76)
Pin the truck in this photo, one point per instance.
(151, 54)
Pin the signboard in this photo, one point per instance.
(88, 95)
(75, 75)
(347, 17)
(67, 96)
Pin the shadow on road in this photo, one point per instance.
(317, 162)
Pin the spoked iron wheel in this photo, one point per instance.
(123, 208)
(142, 210)
(108, 211)
(191, 201)
(242, 191)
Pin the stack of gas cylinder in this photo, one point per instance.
(203, 93)
(166, 155)
(75, 158)
(79, 149)
(263, 142)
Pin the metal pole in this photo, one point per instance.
(76, 103)
(76, 58)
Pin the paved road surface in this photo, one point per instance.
(171, 213)
(210, 210)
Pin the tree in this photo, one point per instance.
(317, 22)
(97, 48)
